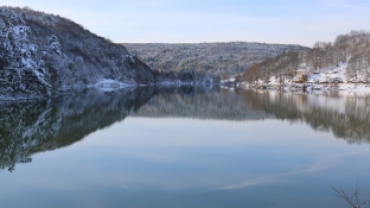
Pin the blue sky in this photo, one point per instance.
(189, 21)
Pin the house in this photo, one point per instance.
(301, 76)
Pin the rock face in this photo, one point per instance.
(41, 54)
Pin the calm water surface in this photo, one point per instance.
(184, 148)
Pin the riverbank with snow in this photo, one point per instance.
(309, 87)
(325, 79)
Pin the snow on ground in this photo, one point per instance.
(337, 74)
(225, 81)
(110, 84)
(326, 79)
(337, 79)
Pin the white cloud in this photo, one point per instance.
(356, 7)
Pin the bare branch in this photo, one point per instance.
(353, 200)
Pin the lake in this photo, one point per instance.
(184, 147)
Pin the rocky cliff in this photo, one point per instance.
(41, 54)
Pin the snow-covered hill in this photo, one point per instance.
(220, 59)
(41, 54)
(342, 64)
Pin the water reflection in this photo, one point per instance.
(347, 115)
(37, 126)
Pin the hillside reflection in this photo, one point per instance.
(346, 115)
(37, 126)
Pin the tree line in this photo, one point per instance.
(220, 59)
(352, 49)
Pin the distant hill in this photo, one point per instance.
(42, 53)
(215, 58)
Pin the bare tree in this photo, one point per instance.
(353, 199)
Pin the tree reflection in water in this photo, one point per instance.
(28, 127)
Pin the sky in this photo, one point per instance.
(188, 21)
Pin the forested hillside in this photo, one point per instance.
(42, 53)
(347, 59)
(214, 58)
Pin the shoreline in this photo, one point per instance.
(308, 87)
(356, 88)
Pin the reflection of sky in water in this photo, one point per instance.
(144, 162)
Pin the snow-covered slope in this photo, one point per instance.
(342, 64)
(334, 78)
(41, 54)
